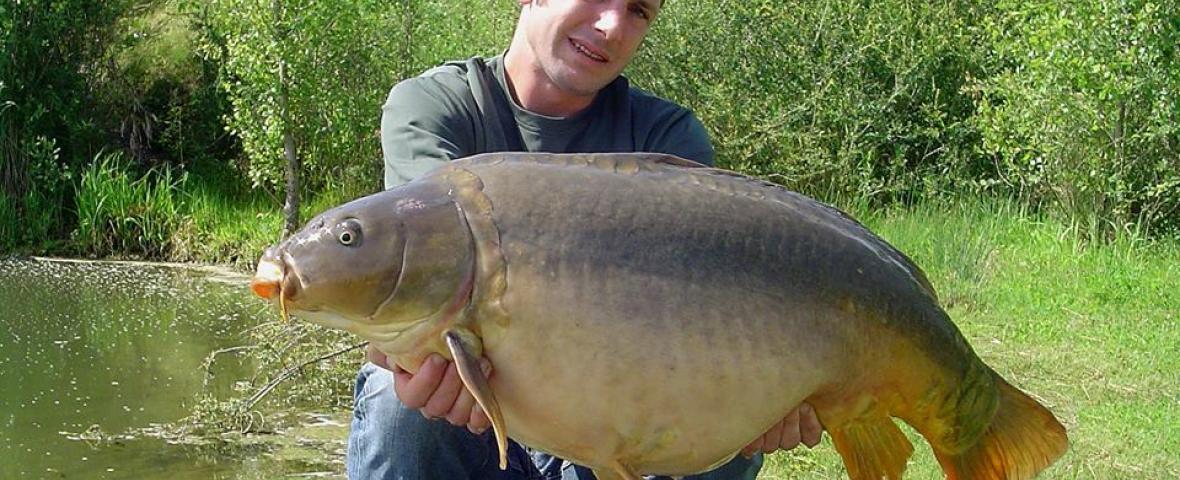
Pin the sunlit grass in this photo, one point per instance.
(121, 213)
(233, 224)
(1091, 330)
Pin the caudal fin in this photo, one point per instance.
(1023, 439)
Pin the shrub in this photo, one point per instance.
(1083, 118)
(846, 99)
(340, 69)
(46, 49)
(156, 94)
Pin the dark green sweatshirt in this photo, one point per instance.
(463, 108)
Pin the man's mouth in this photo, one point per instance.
(585, 50)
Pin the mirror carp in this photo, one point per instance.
(674, 312)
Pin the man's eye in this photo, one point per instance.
(640, 12)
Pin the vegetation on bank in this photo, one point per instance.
(178, 106)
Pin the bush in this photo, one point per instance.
(339, 70)
(1083, 118)
(841, 99)
(47, 47)
(157, 96)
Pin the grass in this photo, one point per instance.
(1093, 331)
(208, 215)
(120, 213)
(231, 224)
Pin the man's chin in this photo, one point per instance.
(583, 83)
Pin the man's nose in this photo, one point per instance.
(609, 18)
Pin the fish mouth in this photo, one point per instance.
(274, 279)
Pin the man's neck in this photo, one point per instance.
(531, 88)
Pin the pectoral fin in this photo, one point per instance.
(618, 471)
(872, 446)
(468, 365)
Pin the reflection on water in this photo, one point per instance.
(112, 347)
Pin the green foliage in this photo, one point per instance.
(160, 98)
(36, 213)
(1083, 118)
(340, 68)
(445, 30)
(878, 104)
(9, 226)
(76, 76)
(119, 214)
(841, 99)
(46, 49)
(332, 60)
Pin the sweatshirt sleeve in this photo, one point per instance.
(423, 125)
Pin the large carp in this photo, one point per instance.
(676, 313)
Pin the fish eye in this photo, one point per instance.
(349, 232)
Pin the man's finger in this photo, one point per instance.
(790, 438)
(443, 398)
(460, 413)
(753, 447)
(810, 430)
(479, 420)
(772, 437)
(414, 390)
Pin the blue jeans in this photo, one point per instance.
(389, 441)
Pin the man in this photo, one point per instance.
(557, 89)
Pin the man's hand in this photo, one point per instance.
(801, 425)
(437, 391)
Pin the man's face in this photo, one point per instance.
(582, 45)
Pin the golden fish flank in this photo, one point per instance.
(593, 271)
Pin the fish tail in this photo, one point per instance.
(1022, 438)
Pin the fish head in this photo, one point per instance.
(373, 266)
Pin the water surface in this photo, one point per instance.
(112, 348)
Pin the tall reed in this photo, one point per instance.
(119, 214)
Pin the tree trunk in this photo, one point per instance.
(291, 206)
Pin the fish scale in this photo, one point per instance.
(648, 315)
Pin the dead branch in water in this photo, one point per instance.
(290, 372)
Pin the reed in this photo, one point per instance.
(120, 214)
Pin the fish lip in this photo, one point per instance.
(277, 279)
(292, 282)
(268, 276)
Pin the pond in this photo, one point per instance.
(90, 347)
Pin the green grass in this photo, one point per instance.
(1093, 331)
(121, 213)
(230, 224)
